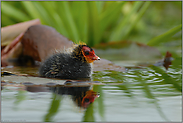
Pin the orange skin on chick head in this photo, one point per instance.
(89, 54)
(89, 98)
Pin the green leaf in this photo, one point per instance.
(43, 14)
(89, 114)
(168, 79)
(31, 9)
(153, 98)
(139, 16)
(110, 16)
(57, 22)
(165, 36)
(54, 106)
(13, 12)
(80, 16)
(21, 96)
(6, 20)
(100, 5)
(100, 100)
(119, 30)
(67, 17)
(93, 23)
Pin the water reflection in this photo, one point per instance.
(82, 96)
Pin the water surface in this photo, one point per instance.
(139, 94)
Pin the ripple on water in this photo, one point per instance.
(129, 75)
(154, 80)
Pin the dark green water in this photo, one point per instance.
(140, 94)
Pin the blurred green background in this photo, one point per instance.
(94, 22)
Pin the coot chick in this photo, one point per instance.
(74, 65)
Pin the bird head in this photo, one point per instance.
(89, 54)
(85, 53)
(89, 98)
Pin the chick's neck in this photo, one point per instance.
(77, 54)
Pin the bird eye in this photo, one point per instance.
(86, 100)
(87, 53)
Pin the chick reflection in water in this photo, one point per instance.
(82, 96)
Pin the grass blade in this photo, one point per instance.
(43, 14)
(139, 16)
(13, 12)
(109, 16)
(57, 22)
(89, 114)
(70, 22)
(31, 9)
(80, 17)
(93, 23)
(67, 17)
(119, 30)
(163, 37)
(53, 109)
(100, 5)
(100, 100)
(21, 96)
(6, 20)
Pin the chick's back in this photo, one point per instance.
(62, 65)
